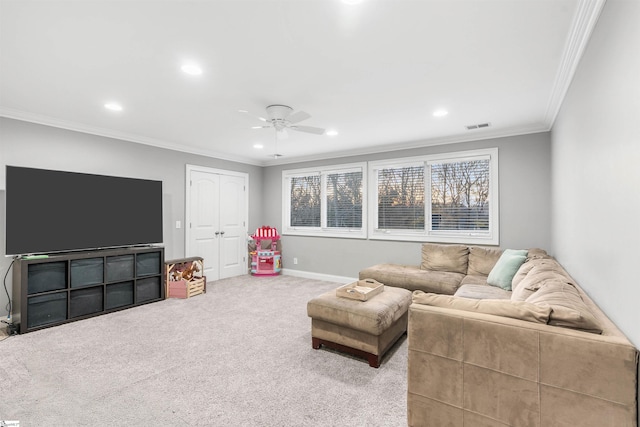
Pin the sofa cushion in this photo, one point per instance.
(450, 258)
(537, 253)
(569, 310)
(534, 256)
(413, 278)
(474, 280)
(484, 291)
(502, 273)
(482, 260)
(505, 308)
(533, 274)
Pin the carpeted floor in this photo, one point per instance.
(239, 355)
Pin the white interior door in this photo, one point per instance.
(216, 221)
(233, 237)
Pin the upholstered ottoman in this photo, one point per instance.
(362, 328)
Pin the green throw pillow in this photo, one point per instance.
(507, 266)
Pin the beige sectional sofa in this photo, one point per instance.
(539, 354)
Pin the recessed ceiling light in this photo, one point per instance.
(440, 113)
(258, 146)
(192, 69)
(113, 106)
(332, 132)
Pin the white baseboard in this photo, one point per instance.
(318, 276)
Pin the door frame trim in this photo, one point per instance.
(187, 199)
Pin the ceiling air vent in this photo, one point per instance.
(478, 126)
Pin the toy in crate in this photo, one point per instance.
(266, 261)
(184, 277)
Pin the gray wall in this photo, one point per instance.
(32, 145)
(596, 168)
(525, 221)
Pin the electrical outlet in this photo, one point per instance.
(295, 260)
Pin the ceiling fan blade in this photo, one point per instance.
(308, 129)
(261, 127)
(298, 117)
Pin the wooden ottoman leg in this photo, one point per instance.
(374, 360)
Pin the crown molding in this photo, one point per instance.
(584, 21)
(473, 135)
(476, 135)
(109, 133)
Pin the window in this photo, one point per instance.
(401, 197)
(441, 198)
(325, 201)
(305, 201)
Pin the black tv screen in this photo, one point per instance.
(53, 211)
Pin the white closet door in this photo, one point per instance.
(216, 219)
(233, 240)
(204, 222)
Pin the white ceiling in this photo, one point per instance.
(373, 71)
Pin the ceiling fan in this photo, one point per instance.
(282, 117)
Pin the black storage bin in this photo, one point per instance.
(46, 277)
(119, 295)
(147, 289)
(46, 309)
(85, 301)
(119, 268)
(86, 272)
(147, 264)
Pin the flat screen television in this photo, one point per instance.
(50, 211)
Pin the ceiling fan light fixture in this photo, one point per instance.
(441, 112)
(332, 132)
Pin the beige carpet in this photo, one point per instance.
(239, 355)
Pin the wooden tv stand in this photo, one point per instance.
(49, 291)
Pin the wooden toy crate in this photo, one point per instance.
(184, 277)
(187, 288)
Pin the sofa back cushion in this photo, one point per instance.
(482, 260)
(451, 258)
(568, 308)
(538, 313)
(532, 274)
(534, 255)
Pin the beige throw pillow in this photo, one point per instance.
(500, 307)
(451, 258)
